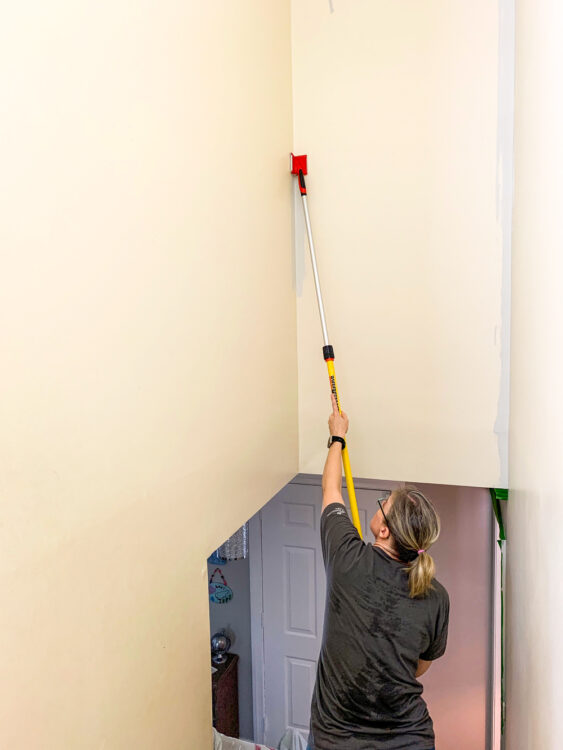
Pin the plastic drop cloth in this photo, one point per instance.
(292, 740)
(222, 742)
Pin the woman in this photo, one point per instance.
(386, 619)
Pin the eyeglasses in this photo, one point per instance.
(381, 508)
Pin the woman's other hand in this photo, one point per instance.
(337, 423)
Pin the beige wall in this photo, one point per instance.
(534, 589)
(148, 379)
(396, 105)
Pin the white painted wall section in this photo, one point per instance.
(397, 106)
(535, 508)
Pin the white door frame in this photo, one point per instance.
(256, 625)
(257, 630)
(496, 676)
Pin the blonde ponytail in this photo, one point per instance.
(421, 573)
(414, 526)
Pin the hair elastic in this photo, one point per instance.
(420, 551)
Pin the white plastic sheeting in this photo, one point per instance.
(291, 740)
(222, 742)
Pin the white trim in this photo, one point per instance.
(496, 671)
(256, 625)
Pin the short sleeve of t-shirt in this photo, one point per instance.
(437, 646)
(341, 543)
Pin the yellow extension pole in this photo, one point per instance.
(345, 456)
(299, 168)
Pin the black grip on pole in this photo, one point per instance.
(328, 352)
(302, 187)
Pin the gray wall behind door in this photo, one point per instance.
(234, 616)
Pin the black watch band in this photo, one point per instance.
(336, 439)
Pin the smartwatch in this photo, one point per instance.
(336, 439)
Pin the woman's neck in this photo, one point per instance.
(387, 548)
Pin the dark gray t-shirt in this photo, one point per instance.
(366, 696)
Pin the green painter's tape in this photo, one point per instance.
(498, 495)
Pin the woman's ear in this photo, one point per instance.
(384, 532)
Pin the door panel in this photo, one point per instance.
(293, 604)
